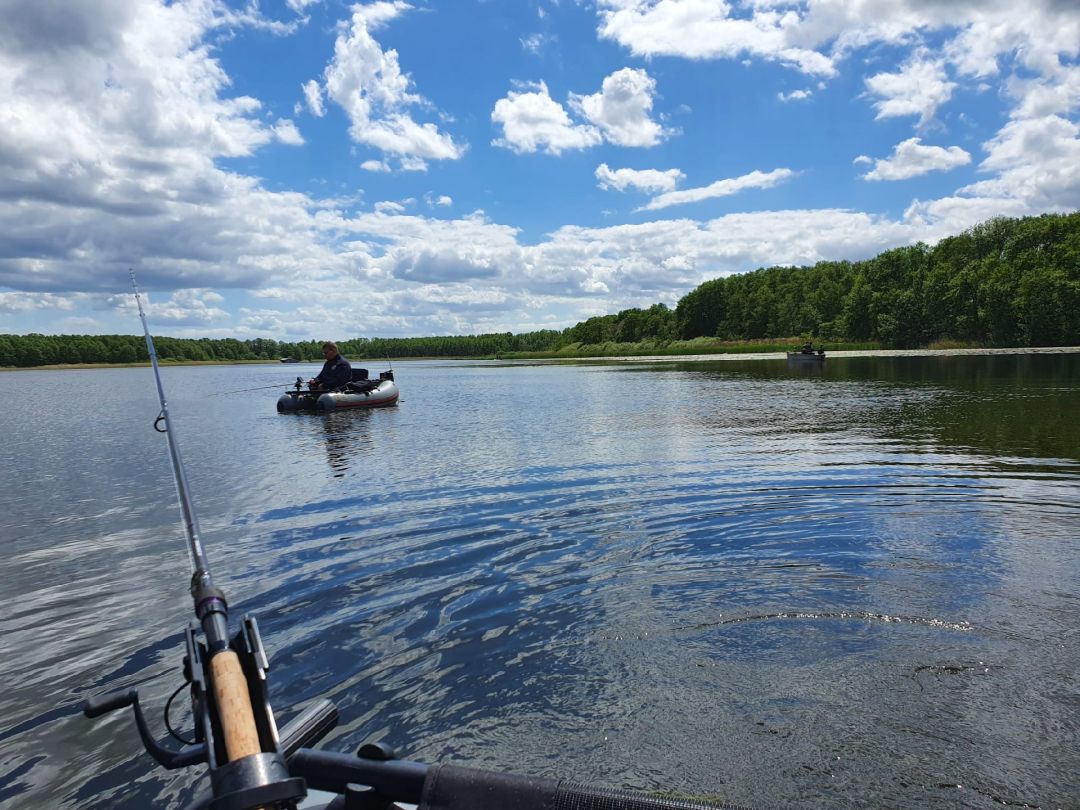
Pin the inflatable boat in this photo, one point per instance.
(808, 354)
(360, 393)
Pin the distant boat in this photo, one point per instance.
(808, 354)
(289, 360)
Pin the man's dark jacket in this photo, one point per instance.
(335, 373)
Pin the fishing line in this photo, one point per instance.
(245, 390)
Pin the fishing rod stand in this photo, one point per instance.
(260, 780)
(372, 779)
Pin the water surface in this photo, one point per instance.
(843, 587)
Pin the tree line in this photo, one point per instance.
(46, 350)
(1005, 282)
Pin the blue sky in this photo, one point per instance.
(314, 168)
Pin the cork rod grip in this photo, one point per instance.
(234, 705)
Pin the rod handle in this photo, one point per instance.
(102, 704)
(234, 706)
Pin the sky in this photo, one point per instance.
(315, 169)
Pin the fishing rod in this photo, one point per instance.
(235, 730)
(254, 767)
(245, 390)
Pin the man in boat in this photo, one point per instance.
(336, 371)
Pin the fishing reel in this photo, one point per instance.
(258, 780)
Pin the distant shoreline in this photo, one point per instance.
(78, 366)
(853, 353)
(651, 358)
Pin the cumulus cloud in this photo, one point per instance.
(619, 113)
(188, 307)
(911, 158)
(721, 188)
(441, 266)
(19, 302)
(795, 95)
(918, 89)
(651, 180)
(814, 36)
(532, 120)
(368, 84)
(1051, 182)
(707, 29)
(120, 162)
(621, 108)
(1057, 93)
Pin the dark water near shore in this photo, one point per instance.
(848, 587)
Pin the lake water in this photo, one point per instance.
(847, 587)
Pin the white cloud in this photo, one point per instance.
(795, 95)
(375, 166)
(1036, 161)
(621, 108)
(188, 307)
(532, 120)
(918, 89)
(651, 180)
(120, 162)
(812, 36)
(286, 132)
(707, 29)
(721, 188)
(12, 302)
(313, 95)
(412, 163)
(535, 43)
(618, 113)
(911, 158)
(368, 84)
(1057, 93)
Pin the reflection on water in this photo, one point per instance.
(347, 437)
(850, 588)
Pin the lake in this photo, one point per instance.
(846, 587)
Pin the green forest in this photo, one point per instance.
(1003, 283)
